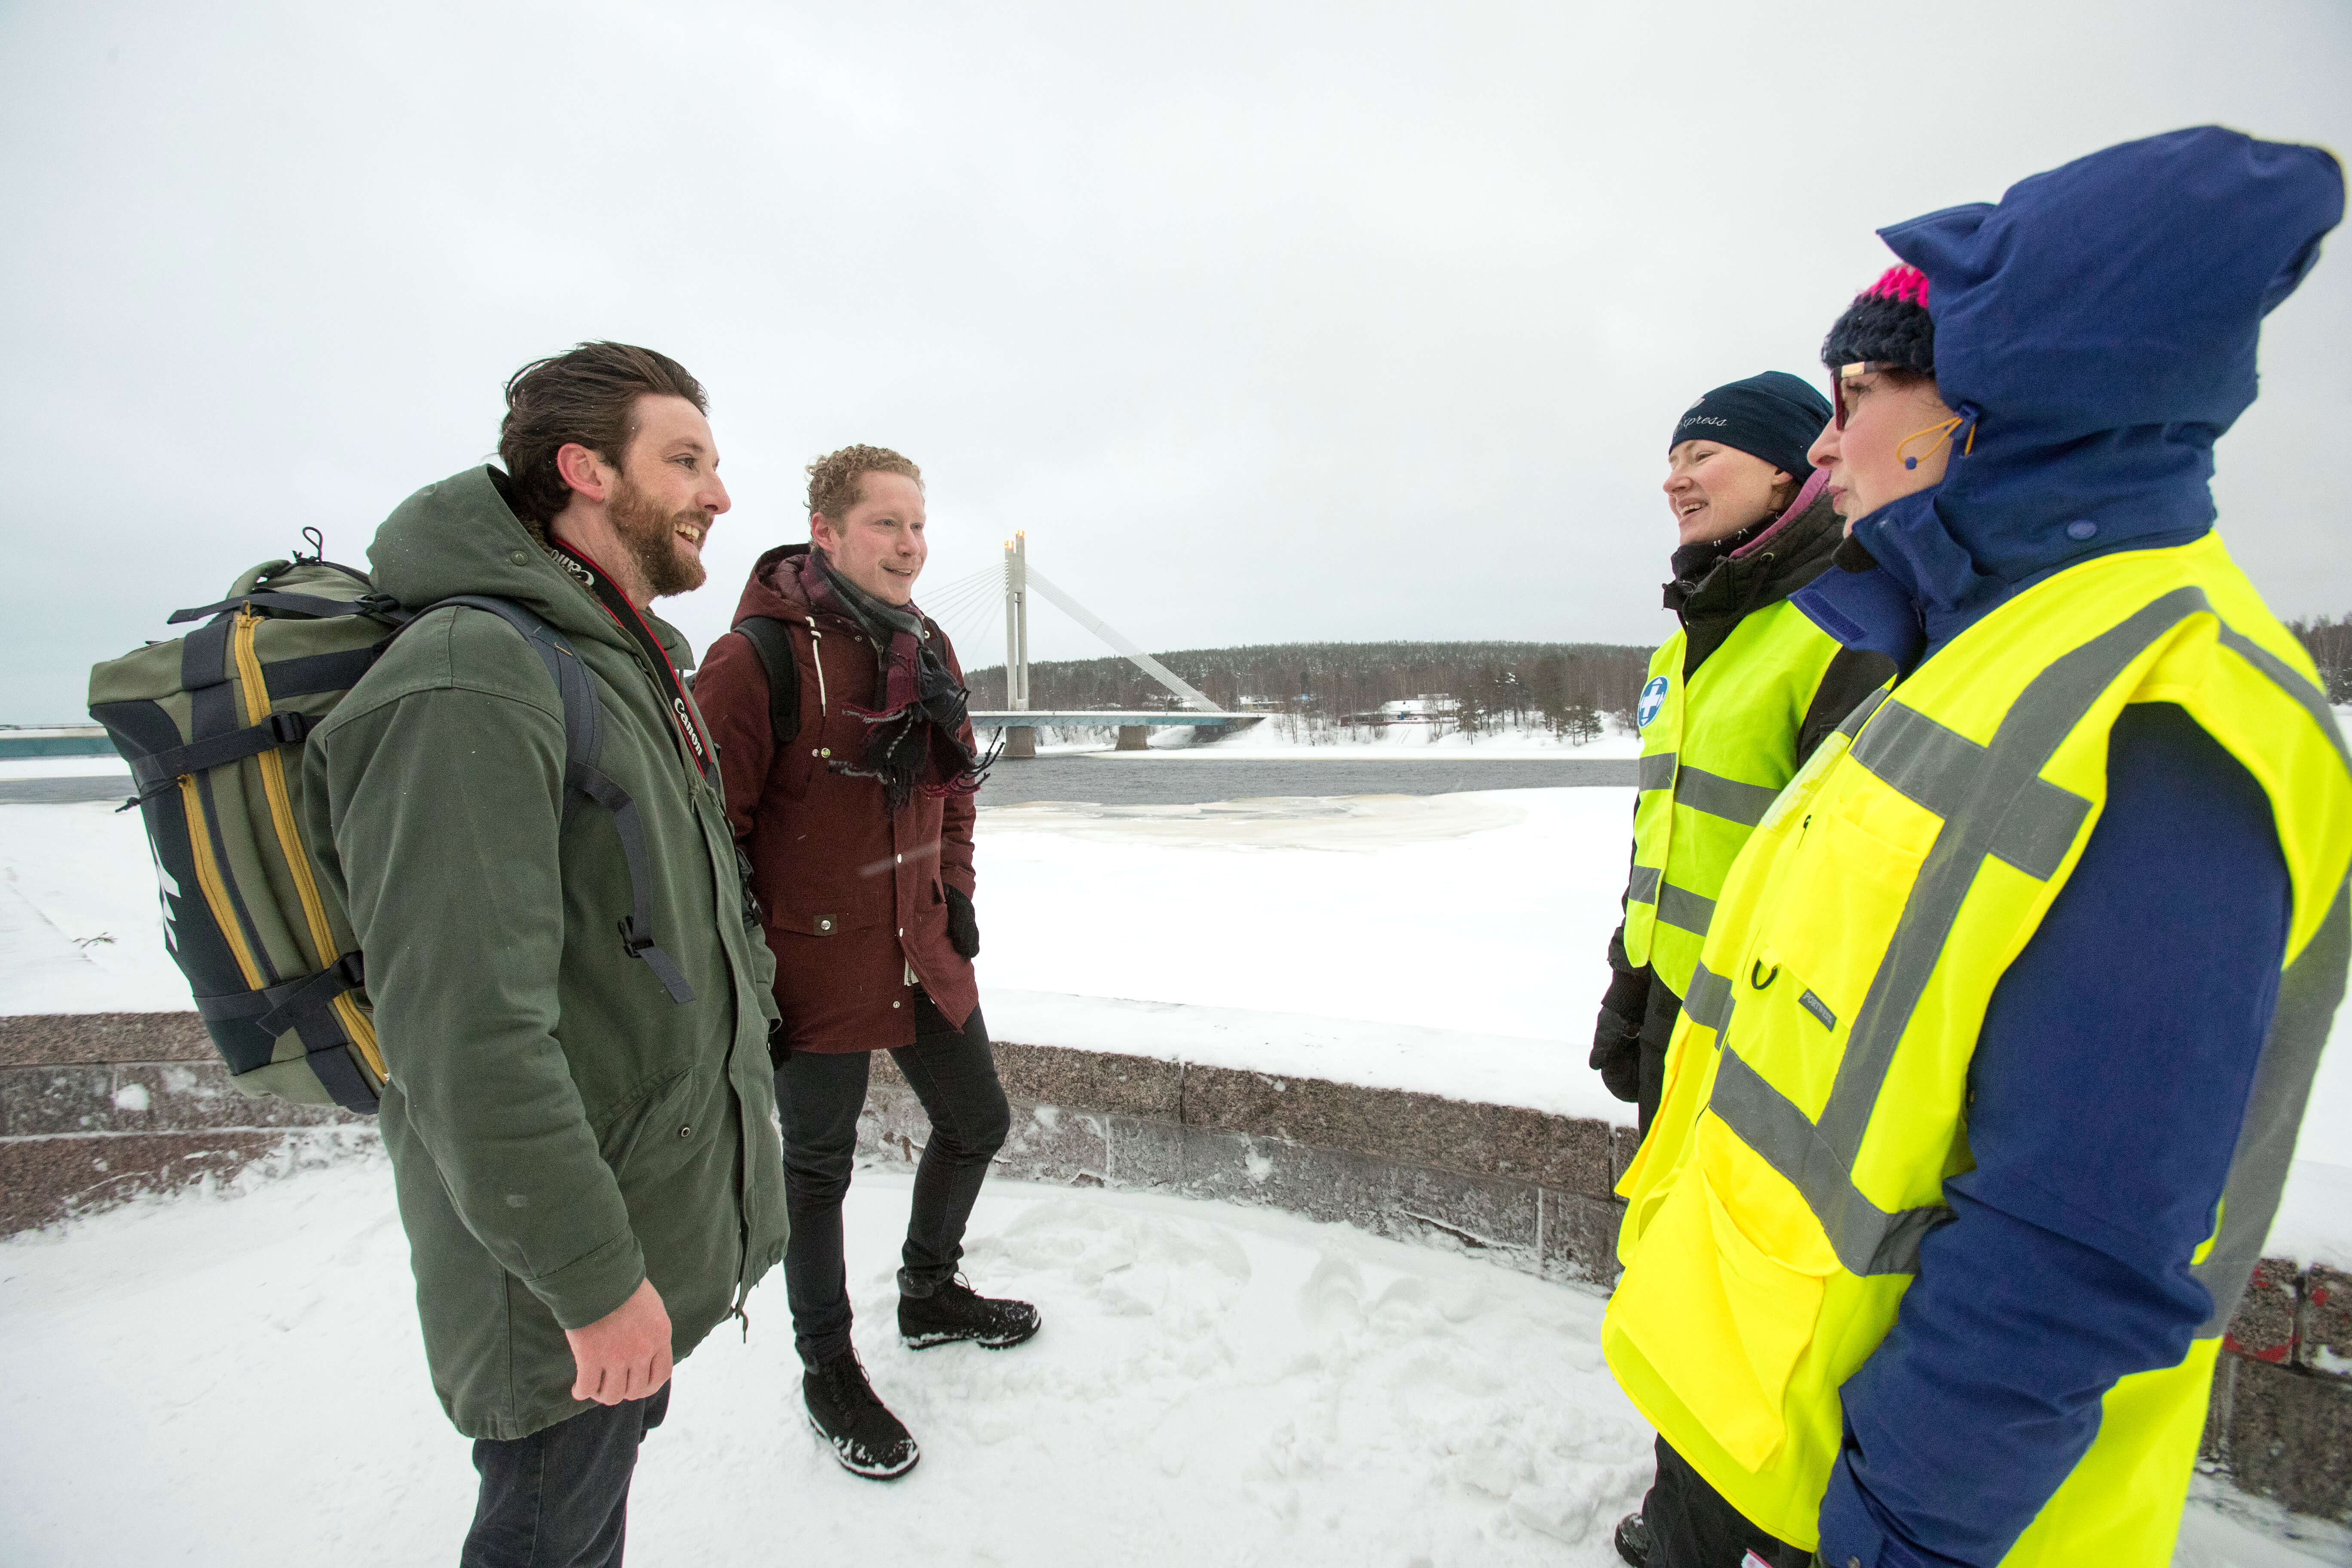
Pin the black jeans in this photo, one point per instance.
(819, 1096)
(1691, 1525)
(560, 1497)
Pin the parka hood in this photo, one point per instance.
(460, 536)
(773, 587)
(2096, 332)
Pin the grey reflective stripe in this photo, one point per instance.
(1939, 768)
(2004, 777)
(1854, 720)
(1866, 1238)
(1709, 1002)
(1657, 771)
(1745, 804)
(1681, 907)
(2308, 994)
(2284, 675)
(1642, 885)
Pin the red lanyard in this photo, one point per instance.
(593, 577)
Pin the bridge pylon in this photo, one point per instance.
(1020, 738)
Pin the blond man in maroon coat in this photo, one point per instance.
(858, 825)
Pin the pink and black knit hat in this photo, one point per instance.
(1887, 323)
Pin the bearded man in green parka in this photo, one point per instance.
(580, 1109)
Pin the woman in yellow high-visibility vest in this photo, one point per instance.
(1733, 702)
(1993, 1063)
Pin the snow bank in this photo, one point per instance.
(80, 930)
(2314, 1224)
(1487, 914)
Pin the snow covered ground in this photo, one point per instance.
(1213, 1386)
(239, 1384)
(1450, 944)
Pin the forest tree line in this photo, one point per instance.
(2330, 643)
(1558, 686)
(1562, 687)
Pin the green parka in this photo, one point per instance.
(560, 1130)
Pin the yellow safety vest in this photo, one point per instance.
(1816, 1083)
(1714, 754)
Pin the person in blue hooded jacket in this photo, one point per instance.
(1991, 1138)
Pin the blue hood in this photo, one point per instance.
(2099, 327)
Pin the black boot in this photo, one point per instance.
(1633, 1539)
(950, 1312)
(867, 1438)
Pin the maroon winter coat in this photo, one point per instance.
(855, 912)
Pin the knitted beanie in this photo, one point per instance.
(1887, 323)
(1774, 417)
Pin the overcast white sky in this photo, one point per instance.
(1266, 320)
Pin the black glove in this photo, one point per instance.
(963, 926)
(1617, 1055)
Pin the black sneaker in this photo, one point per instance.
(1633, 1539)
(867, 1438)
(951, 1312)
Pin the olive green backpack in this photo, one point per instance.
(211, 724)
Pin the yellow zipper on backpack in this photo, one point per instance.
(357, 1025)
(208, 879)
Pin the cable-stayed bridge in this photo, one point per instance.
(968, 605)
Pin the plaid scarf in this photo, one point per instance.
(914, 739)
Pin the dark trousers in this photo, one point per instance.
(952, 1072)
(560, 1497)
(1691, 1525)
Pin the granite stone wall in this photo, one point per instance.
(1528, 1191)
(95, 1108)
(2281, 1421)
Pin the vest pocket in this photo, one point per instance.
(1723, 1323)
(1850, 880)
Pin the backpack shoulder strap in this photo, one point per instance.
(584, 715)
(584, 748)
(773, 644)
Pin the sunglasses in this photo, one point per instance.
(1837, 384)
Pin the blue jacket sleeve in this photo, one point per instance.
(2105, 1096)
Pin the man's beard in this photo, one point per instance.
(650, 536)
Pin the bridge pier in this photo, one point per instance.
(1021, 740)
(1134, 737)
